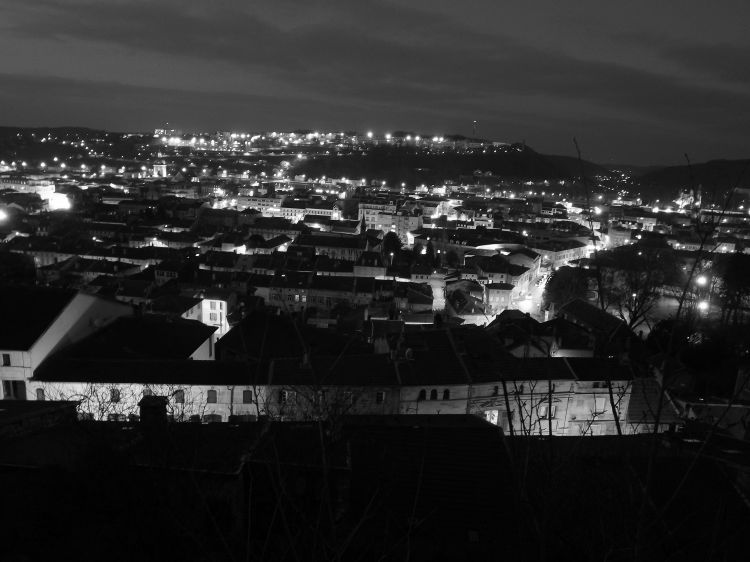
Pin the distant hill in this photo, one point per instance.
(570, 167)
(712, 176)
(398, 163)
(13, 131)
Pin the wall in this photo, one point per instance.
(95, 398)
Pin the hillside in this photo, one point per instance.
(396, 164)
(713, 176)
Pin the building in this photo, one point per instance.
(37, 321)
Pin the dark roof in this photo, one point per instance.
(27, 312)
(339, 241)
(147, 371)
(152, 336)
(355, 370)
(500, 286)
(174, 304)
(590, 316)
(263, 335)
(598, 369)
(644, 404)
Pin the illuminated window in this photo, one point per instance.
(247, 396)
(211, 397)
(179, 396)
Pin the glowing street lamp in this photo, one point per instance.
(703, 306)
(701, 280)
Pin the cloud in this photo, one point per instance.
(345, 63)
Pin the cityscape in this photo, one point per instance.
(429, 338)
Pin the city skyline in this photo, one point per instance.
(632, 88)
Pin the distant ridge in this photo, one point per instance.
(715, 175)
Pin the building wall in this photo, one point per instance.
(455, 403)
(96, 398)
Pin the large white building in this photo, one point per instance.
(37, 322)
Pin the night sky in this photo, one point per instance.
(636, 82)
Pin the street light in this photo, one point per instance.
(703, 306)
(701, 280)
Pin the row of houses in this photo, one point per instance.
(97, 352)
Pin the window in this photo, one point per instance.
(211, 397)
(247, 396)
(447, 394)
(6, 359)
(542, 411)
(147, 392)
(422, 394)
(601, 404)
(179, 396)
(221, 305)
(212, 316)
(379, 397)
(348, 397)
(14, 390)
(40, 394)
(433, 394)
(283, 396)
(114, 395)
(496, 391)
(212, 305)
(212, 418)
